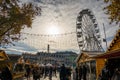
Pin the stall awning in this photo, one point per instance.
(3, 55)
(111, 54)
(87, 56)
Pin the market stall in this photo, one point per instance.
(112, 55)
(93, 65)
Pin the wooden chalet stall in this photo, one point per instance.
(112, 55)
(93, 65)
(4, 60)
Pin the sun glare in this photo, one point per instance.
(53, 30)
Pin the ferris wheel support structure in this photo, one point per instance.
(88, 33)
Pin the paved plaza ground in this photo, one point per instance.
(53, 78)
(47, 78)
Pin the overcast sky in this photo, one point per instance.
(63, 13)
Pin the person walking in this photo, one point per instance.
(68, 73)
(28, 72)
(36, 74)
(0, 74)
(105, 73)
(80, 72)
(50, 72)
(6, 74)
(63, 72)
(42, 71)
(116, 75)
(84, 72)
(76, 72)
(46, 72)
(55, 71)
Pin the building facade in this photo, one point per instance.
(57, 58)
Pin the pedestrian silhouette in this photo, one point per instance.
(80, 72)
(76, 72)
(50, 72)
(6, 74)
(84, 72)
(63, 72)
(28, 71)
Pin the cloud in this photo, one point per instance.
(19, 48)
(63, 13)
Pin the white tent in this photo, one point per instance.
(48, 64)
(42, 65)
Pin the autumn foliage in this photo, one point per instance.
(113, 10)
(14, 16)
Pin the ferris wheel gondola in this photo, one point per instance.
(88, 33)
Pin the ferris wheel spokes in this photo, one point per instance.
(88, 34)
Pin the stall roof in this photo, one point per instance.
(3, 55)
(116, 37)
(111, 54)
(88, 54)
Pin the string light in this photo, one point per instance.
(63, 34)
(64, 41)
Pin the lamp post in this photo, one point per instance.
(105, 36)
(48, 48)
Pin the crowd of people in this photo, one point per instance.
(48, 71)
(81, 72)
(109, 72)
(38, 72)
(41, 72)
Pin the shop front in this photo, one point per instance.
(93, 65)
(112, 56)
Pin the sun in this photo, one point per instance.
(53, 30)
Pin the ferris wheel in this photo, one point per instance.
(88, 34)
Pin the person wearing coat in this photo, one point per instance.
(6, 74)
(116, 75)
(63, 72)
